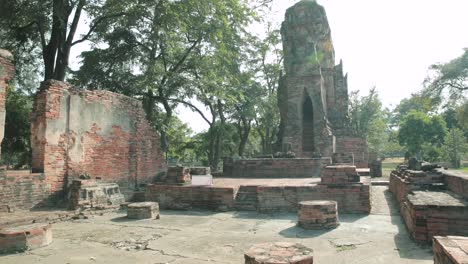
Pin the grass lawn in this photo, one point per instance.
(464, 169)
(390, 164)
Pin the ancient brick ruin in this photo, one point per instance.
(450, 250)
(432, 203)
(94, 151)
(77, 133)
(313, 93)
(6, 73)
(97, 133)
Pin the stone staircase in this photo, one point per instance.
(246, 198)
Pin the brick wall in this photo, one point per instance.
(456, 182)
(188, 197)
(399, 187)
(355, 145)
(99, 133)
(429, 214)
(21, 189)
(279, 168)
(450, 250)
(352, 198)
(7, 70)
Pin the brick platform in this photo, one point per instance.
(188, 197)
(429, 214)
(279, 253)
(22, 238)
(339, 174)
(318, 214)
(144, 210)
(177, 175)
(275, 168)
(450, 250)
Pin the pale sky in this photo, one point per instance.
(385, 43)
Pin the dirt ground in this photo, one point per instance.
(211, 237)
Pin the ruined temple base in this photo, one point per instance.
(144, 210)
(22, 238)
(280, 253)
(429, 214)
(318, 214)
(450, 250)
(267, 195)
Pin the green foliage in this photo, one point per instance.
(367, 119)
(168, 53)
(462, 117)
(448, 79)
(417, 102)
(180, 144)
(418, 129)
(455, 147)
(16, 146)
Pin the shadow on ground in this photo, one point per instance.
(405, 246)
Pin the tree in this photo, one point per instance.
(52, 25)
(168, 53)
(462, 116)
(16, 145)
(364, 112)
(451, 77)
(417, 102)
(455, 147)
(367, 119)
(418, 129)
(267, 63)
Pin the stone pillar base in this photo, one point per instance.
(318, 214)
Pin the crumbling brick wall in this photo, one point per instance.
(7, 70)
(23, 190)
(456, 182)
(355, 145)
(279, 168)
(99, 133)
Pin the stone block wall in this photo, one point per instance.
(99, 133)
(21, 189)
(188, 197)
(275, 168)
(7, 70)
(355, 145)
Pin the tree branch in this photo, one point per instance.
(94, 26)
(74, 25)
(193, 108)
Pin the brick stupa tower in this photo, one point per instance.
(313, 93)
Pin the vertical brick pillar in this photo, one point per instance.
(7, 70)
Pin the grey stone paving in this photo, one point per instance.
(210, 237)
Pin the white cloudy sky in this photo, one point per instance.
(385, 43)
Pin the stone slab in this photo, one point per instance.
(279, 253)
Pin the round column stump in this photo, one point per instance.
(279, 253)
(318, 214)
(22, 238)
(143, 210)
